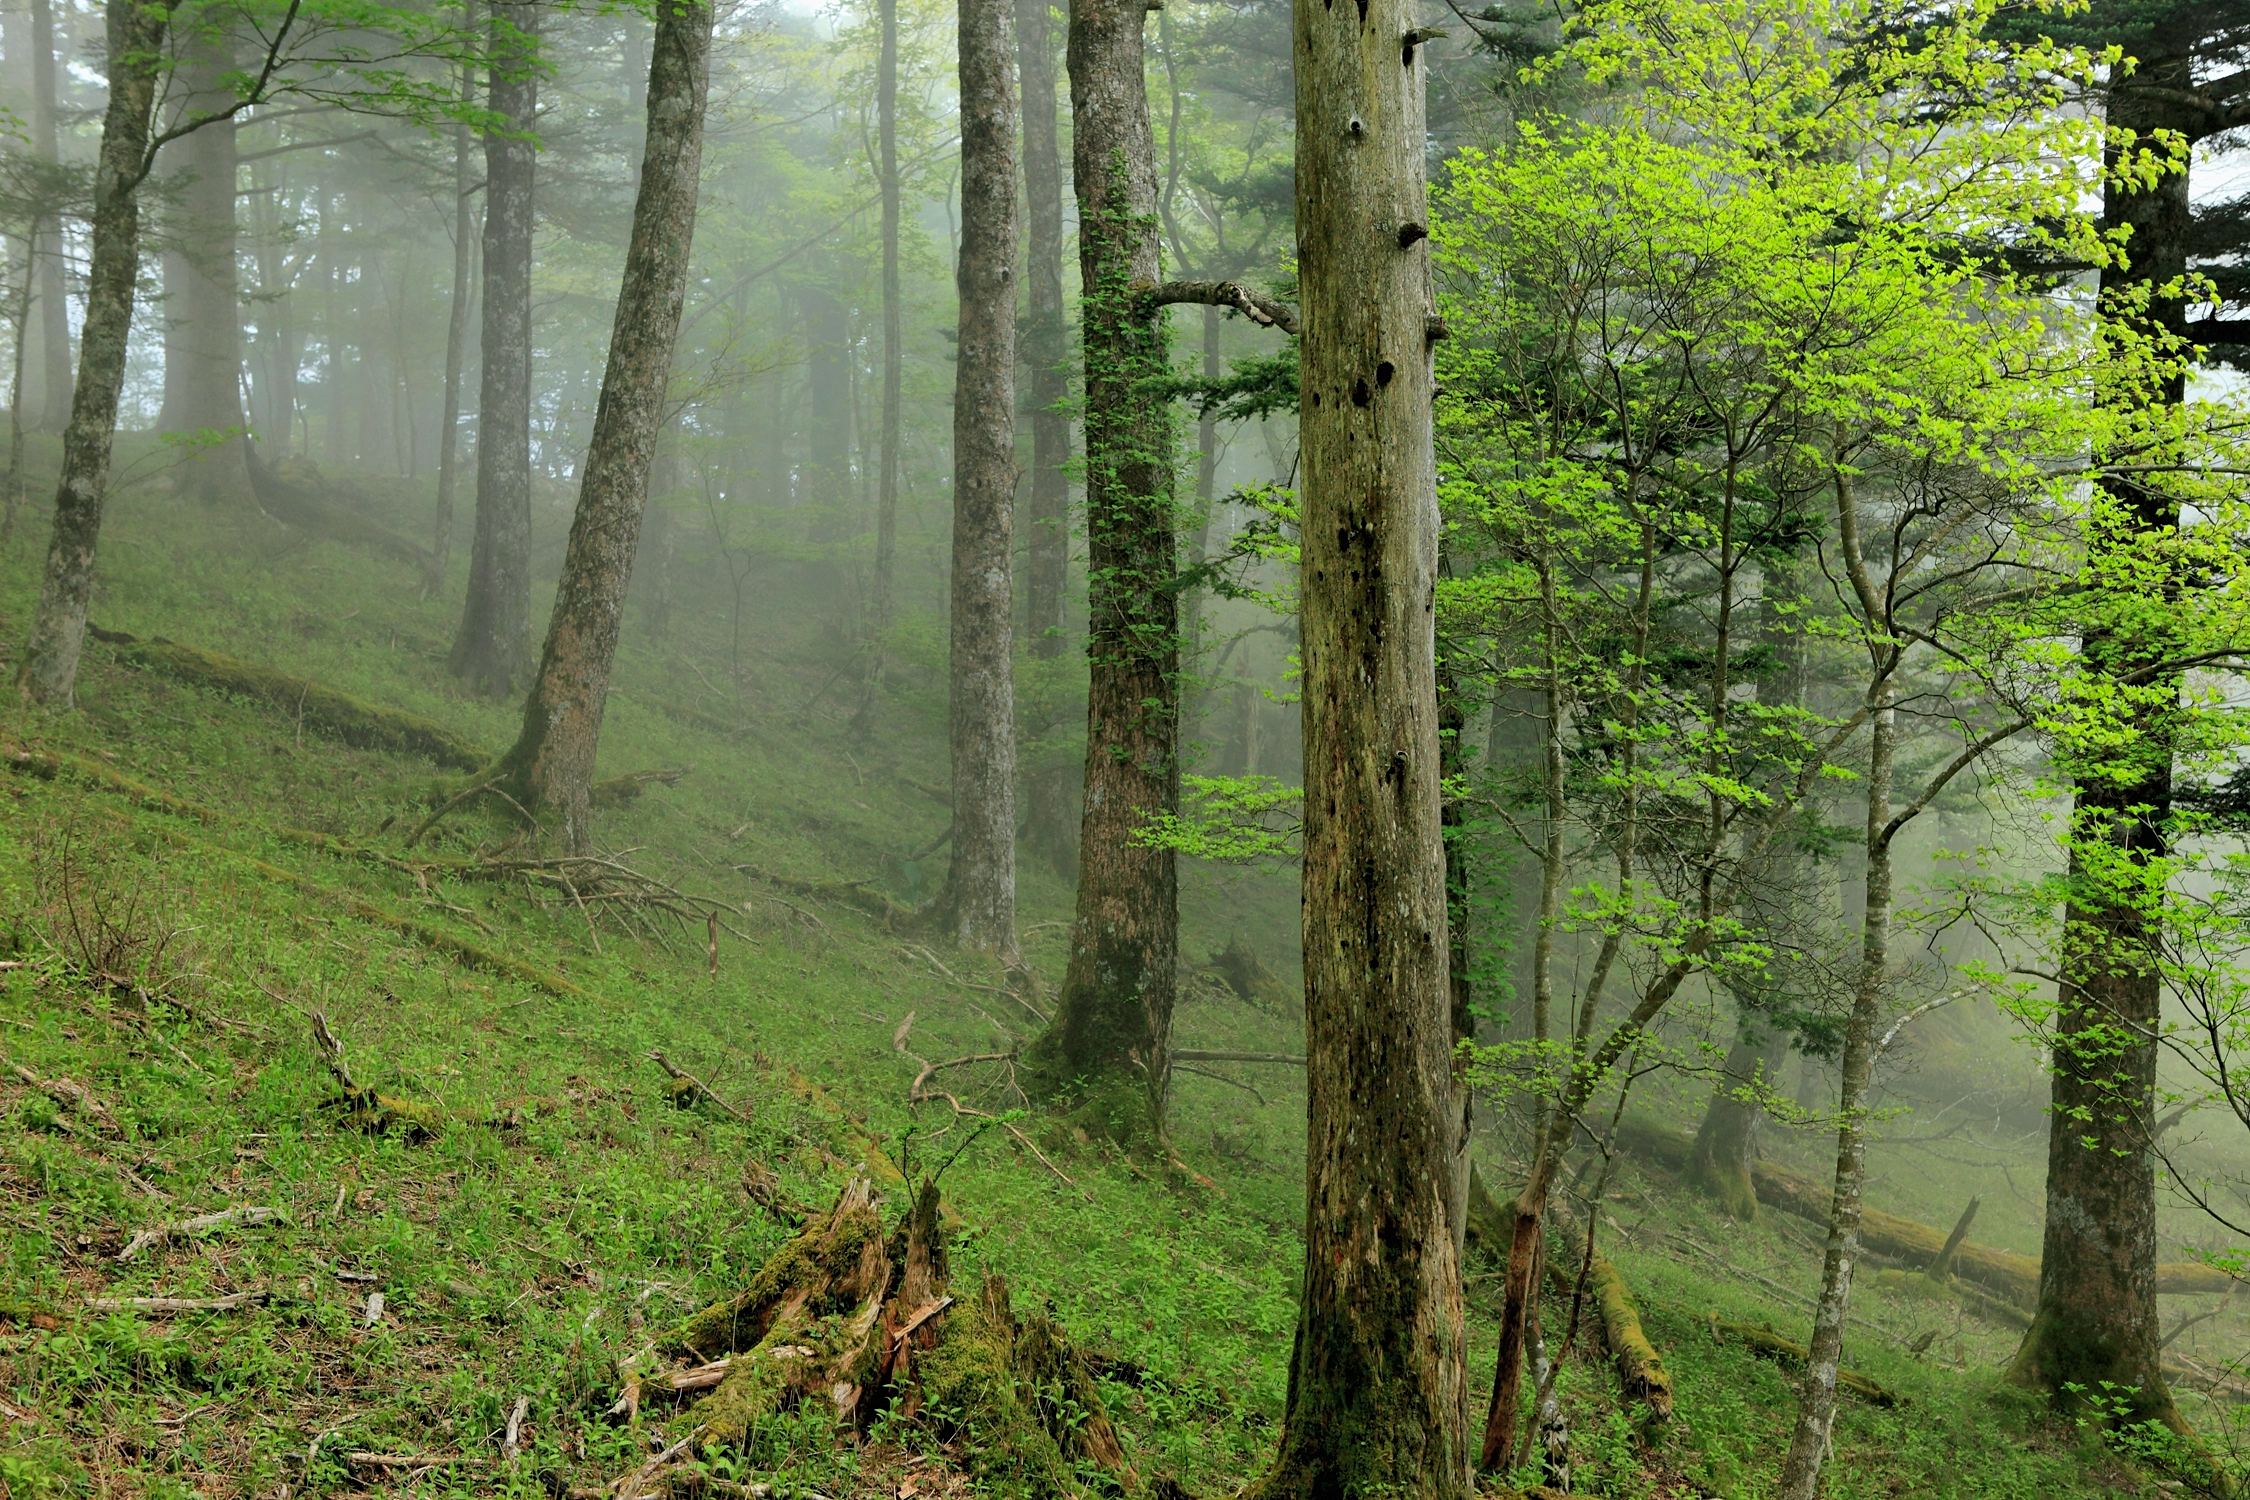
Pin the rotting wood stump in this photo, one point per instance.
(862, 1320)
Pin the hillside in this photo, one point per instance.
(192, 877)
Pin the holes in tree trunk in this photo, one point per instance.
(1360, 396)
(1384, 372)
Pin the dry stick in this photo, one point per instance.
(701, 1088)
(916, 1095)
(1781, 1291)
(178, 1304)
(1280, 1059)
(451, 803)
(1180, 1067)
(511, 1445)
(627, 1486)
(244, 1216)
(714, 927)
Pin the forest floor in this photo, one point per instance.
(166, 957)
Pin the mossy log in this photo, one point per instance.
(1765, 1341)
(848, 1316)
(363, 1107)
(1641, 1375)
(358, 723)
(2003, 1273)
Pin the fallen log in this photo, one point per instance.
(355, 721)
(178, 1304)
(1641, 1375)
(2004, 1273)
(375, 1113)
(242, 1217)
(1765, 1341)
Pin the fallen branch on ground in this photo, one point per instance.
(178, 1304)
(240, 1218)
(366, 1109)
(687, 1088)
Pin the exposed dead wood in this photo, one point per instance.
(72, 1094)
(1641, 1376)
(178, 1304)
(235, 1218)
(1278, 1059)
(686, 1088)
(366, 1109)
(616, 791)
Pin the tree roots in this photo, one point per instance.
(859, 1321)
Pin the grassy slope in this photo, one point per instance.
(521, 1259)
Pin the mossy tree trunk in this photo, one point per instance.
(1726, 1143)
(1378, 1394)
(1111, 1032)
(2095, 1324)
(136, 34)
(492, 650)
(562, 720)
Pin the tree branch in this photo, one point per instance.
(1252, 304)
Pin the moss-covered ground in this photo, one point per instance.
(563, 1208)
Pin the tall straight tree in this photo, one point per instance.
(553, 759)
(894, 338)
(492, 650)
(203, 343)
(456, 327)
(136, 33)
(1046, 348)
(1378, 1390)
(47, 250)
(2095, 1325)
(981, 888)
(1111, 1032)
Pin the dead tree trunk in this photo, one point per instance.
(456, 334)
(1378, 1395)
(1113, 1022)
(492, 651)
(981, 888)
(1050, 785)
(562, 720)
(894, 337)
(58, 627)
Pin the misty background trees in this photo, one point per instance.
(1701, 547)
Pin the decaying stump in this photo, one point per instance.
(849, 1316)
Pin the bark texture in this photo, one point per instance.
(1726, 1143)
(981, 889)
(562, 720)
(492, 651)
(203, 337)
(2096, 1318)
(1111, 1033)
(1378, 1395)
(58, 628)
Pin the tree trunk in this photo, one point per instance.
(1378, 1396)
(562, 720)
(1726, 1144)
(47, 249)
(203, 347)
(19, 318)
(894, 337)
(981, 888)
(58, 627)
(456, 334)
(2095, 1324)
(1452, 759)
(1110, 1038)
(1050, 785)
(492, 652)
(1816, 1398)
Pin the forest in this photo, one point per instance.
(1125, 749)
